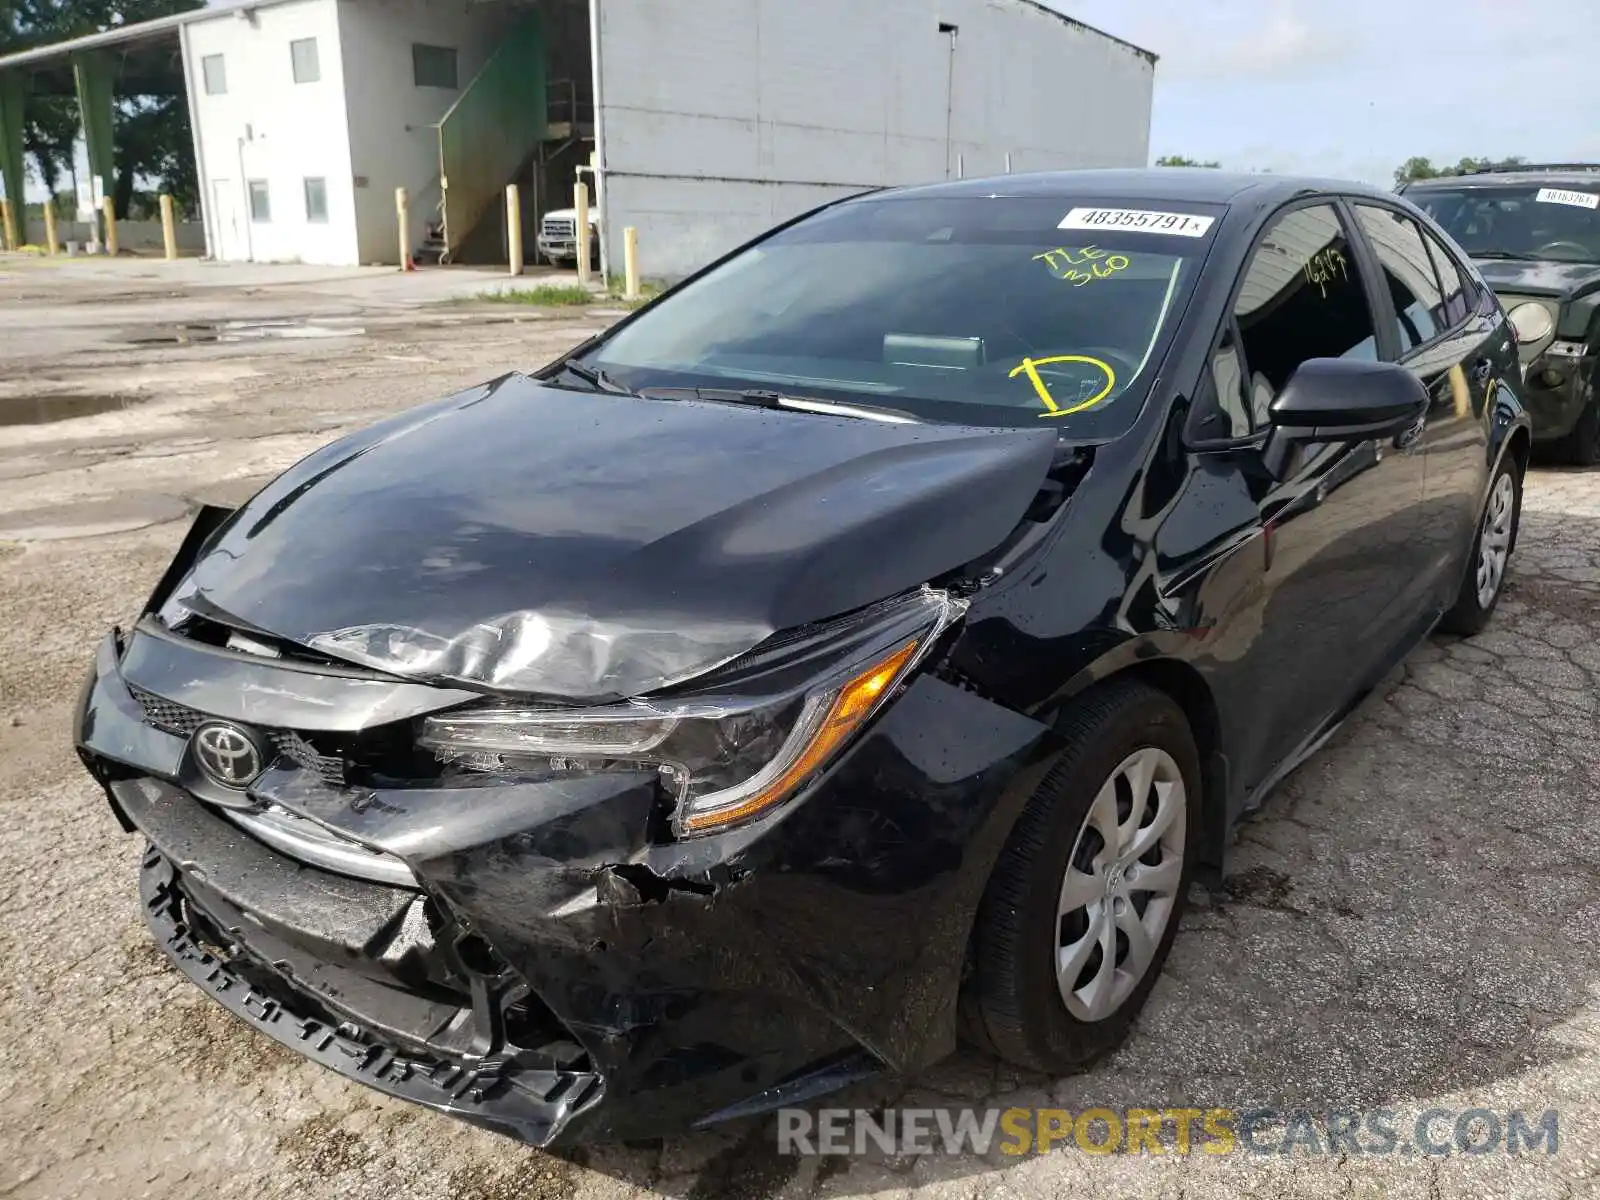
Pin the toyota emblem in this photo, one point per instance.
(228, 754)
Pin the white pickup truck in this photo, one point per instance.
(558, 243)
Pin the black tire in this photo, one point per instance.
(1013, 1006)
(1581, 447)
(1470, 614)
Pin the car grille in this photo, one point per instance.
(559, 227)
(181, 720)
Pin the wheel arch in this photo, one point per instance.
(1186, 687)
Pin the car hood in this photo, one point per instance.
(1558, 279)
(536, 540)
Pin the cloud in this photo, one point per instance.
(1279, 43)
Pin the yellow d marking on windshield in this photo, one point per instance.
(1030, 367)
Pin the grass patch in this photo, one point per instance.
(547, 296)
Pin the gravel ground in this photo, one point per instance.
(1413, 923)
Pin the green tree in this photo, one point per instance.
(150, 133)
(1178, 160)
(1414, 169)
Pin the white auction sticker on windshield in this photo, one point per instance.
(1561, 196)
(1138, 220)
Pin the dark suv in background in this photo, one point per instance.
(1534, 234)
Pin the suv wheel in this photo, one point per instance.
(1491, 556)
(1083, 906)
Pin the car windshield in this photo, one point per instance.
(982, 310)
(1523, 221)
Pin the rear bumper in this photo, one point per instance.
(554, 974)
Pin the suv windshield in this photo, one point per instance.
(983, 310)
(1522, 221)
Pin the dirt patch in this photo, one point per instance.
(1261, 886)
(210, 1044)
(750, 1169)
(536, 1177)
(1573, 602)
(320, 1147)
(143, 959)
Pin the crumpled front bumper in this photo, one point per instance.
(559, 971)
(532, 1106)
(1555, 391)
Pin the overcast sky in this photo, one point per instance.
(1353, 88)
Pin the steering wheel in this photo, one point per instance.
(1119, 362)
(1566, 247)
(1105, 368)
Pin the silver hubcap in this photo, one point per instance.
(1121, 884)
(1494, 550)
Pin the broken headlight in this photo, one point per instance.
(736, 748)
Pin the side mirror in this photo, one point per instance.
(1342, 400)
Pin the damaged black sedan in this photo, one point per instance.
(863, 646)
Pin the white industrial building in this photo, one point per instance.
(706, 122)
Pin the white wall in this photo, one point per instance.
(722, 117)
(138, 236)
(393, 142)
(268, 127)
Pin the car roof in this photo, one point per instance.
(1577, 173)
(1193, 184)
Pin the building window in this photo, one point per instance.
(317, 201)
(303, 54)
(216, 75)
(260, 202)
(434, 66)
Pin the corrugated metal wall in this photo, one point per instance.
(725, 116)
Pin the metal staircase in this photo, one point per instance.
(569, 123)
(490, 132)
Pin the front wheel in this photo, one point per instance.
(1491, 559)
(1083, 906)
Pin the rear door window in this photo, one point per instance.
(1419, 303)
(1452, 279)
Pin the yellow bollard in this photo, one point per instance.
(514, 227)
(169, 231)
(8, 225)
(580, 202)
(402, 209)
(50, 243)
(630, 260)
(109, 207)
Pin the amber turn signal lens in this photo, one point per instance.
(851, 706)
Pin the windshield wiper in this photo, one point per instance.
(1513, 255)
(595, 378)
(767, 398)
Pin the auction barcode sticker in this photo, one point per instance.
(1138, 220)
(1561, 196)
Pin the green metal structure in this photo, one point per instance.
(495, 126)
(95, 74)
(12, 93)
